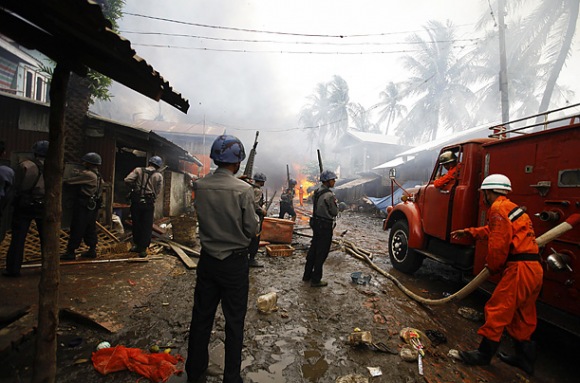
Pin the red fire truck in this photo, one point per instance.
(544, 168)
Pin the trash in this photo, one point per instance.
(267, 302)
(375, 371)
(156, 367)
(360, 279)
(154, 348)
(471, 314)
(351, 378)
(102, 345)
(360, 337)
(381, 347)
(414, 338)
(408, 353)
(436, 337)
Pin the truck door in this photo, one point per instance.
(439, 200)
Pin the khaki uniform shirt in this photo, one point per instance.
(153, 186)
(226, 213)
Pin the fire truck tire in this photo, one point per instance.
(402, 258)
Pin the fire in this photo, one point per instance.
(306, 184)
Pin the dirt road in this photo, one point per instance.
(304, 340)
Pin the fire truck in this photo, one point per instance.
(542, 161)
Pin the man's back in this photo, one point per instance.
(226, 213)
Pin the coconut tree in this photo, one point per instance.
(360, 117)
(315, 113)
(390, 107)
(439, 83)
(338, 101)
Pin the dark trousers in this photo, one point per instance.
(286, 208)
(142, 218)
(318, 251)
(20, 225)
(254, 245)
(226, 281)
(83, 226)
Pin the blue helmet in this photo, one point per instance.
(327, 175)
(260, 177)
(92, 158)
(227, 149)
(156, 160)
(40, 148)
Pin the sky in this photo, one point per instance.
(251, 65)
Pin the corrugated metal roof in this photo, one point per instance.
(180, 127)
(75, 33)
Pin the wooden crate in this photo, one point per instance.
(279, 250)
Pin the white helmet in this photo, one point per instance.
(497, 183)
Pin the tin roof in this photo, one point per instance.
(75, 32)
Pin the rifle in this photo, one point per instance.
(269, 203)
(250, 163)
(319, 161)
(287, 175)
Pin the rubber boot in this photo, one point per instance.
(524, 358)
(482, 356)
(91, 253)
(253, 263)
(68, 256)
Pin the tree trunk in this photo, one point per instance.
(77, 105)
(44, 368)
(561, 60)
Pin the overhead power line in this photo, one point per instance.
(343, 36)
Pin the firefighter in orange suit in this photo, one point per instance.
(513, 252)
(449, 162)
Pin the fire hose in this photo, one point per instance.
(366, 256)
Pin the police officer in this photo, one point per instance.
(85, 209)
(325, 210)
(287, 201)
(28, 206)
(6, 187)
(227, 223)
(513, 253)
(259, 181)
(146, 184)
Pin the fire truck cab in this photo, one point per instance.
(544, 168)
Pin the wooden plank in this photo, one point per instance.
(94, 319)
(17, 332)
(189, 263)
(170, 242)
(104, 230)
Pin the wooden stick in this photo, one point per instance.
(107, 232)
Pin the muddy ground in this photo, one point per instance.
(305, 340)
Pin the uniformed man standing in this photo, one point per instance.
(259, 181)
(146, 184)
(514, 254)
(85, 208)
(28, 206)
(287, 201)
(227, 223)
(325, 211)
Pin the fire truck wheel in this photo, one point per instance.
(403, 258)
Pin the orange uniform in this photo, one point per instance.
(513, 303)
(446, 181)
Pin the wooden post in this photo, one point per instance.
(44, 367)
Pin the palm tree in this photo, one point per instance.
(360, 117)
(315, 113)
(553, 23)
(338, 107)
(391, 108)
(438, 79)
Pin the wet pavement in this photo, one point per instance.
(304, 340)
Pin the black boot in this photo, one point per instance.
(482, 356)
(524, 358)
(253, 263)
(68, 256)
(91, 253)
